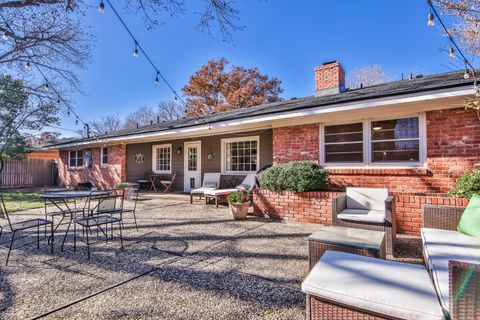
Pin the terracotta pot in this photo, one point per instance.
(239, 210)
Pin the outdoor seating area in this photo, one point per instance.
(157, 243)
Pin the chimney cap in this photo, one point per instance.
(329, 62)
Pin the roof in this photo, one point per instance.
(412, 86)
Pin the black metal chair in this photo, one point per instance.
(130, 209)
(22, 225)
(98, 214)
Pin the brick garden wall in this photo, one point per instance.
(103, 177)
(316, 207)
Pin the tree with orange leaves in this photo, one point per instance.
(214, 88)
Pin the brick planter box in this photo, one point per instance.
(316, 207)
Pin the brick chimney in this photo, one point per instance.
(329, 79)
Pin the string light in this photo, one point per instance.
(68, 111)
(466, 75)
(58, 99)
(76, 121)
(27, 66)
(46, 86)
(451, 53)
(5, 36)
(431, 21)
(101, 7)
(135, 52)
(138, 48)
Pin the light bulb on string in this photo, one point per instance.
(466, 75)
(68, 112)
(5, 36)
(76, 121)
(176, 98)
(101, 7)
(27, 66)
(58, 99)
(451, 53)
(135, 52)
(46, 86)
(157, 80)
(431, 21)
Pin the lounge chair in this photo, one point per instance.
(247, 184)
(211, 181)
(367, 208)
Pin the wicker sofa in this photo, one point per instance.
(451, 258)
(346, 286)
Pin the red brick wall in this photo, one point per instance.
(316, 207)
(103, 177)
(296, 143)
(453, 146)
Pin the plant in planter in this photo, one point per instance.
(129, 189)
(467, 186)
(239, 202)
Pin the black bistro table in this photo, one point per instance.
(66, 203)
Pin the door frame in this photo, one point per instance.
(186, 178)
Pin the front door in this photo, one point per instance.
(193, 165)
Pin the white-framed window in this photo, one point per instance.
(104, 156)
(75, 158)
(240, 155)
(391, 142)
(162, 158)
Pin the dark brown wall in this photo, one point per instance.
(212, 144)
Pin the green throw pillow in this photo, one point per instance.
(470, 222)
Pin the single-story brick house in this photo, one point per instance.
(412, 136)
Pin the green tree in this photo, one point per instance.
(21, 115)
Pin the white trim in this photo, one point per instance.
(101, 157)
(239, 139)
(76, 159)
(186, 178)
(367, 145)
(154, 158)
(199, 129)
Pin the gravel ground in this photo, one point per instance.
(184, 262)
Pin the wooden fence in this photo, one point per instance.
(28, 173)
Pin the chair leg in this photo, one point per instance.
(38, 236)
(74, 236)
(135, 219)
(216, 202)
(10, 248)
(51, 242)
(88, 245)
(66, 233)
(191, 198)
(121, 237)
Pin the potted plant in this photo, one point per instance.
(128, 189)
(239, 202)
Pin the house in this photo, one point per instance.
(410, 136)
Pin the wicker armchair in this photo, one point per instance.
(339, 204)
(464, 278)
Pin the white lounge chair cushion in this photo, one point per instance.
(366, 198)
(201, 190)
(439, 247)
(389, 288)
(361, 215)
(220, 192)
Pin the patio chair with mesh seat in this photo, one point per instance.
(99, 214)
(18, 226)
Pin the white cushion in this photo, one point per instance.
(361, 215)
(201, 190)
(390, 288)
(220, 192)
(249, 180)
(366, 198)
(439, 247)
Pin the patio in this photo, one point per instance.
(185, 262)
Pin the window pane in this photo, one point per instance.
(395, 129)
(105, 155)
(241, 156)
(73, 162)
(350, 152)
(80, 154)
(79, 162)
(396, 151)
(344, 143)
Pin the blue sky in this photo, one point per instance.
(285, 39)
